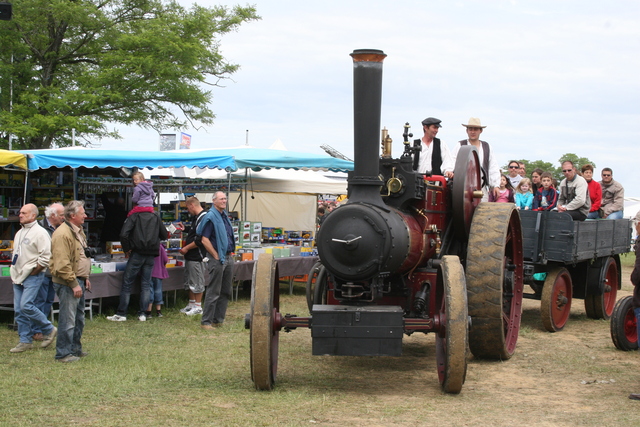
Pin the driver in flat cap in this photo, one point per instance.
(434, 157)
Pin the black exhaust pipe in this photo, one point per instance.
(364, 183)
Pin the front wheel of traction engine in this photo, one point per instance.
(452, 336)
(264, 335)
(495, 280)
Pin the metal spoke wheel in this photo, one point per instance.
(451, 338)
(600, 306)
(624, 327)
(555, 304)
(265, 317)
(467, 186)
(495, 280)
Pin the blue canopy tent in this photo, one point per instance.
(89, 158)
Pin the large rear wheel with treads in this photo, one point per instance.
(264, 320)
(555, 304)
(451, 338)
(495, 281)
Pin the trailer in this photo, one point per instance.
(566, 259)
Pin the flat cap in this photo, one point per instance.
(432, 121)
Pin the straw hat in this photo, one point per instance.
(474, 122)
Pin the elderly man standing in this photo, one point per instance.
(217, 238)
(31, 253)
(574, 193)
(70, 269)
(434, 156)
(485, 154)
(612, 206)
(53, 217)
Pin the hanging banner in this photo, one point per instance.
(185, 141)
(167, 141)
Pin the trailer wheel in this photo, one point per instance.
(555, 304)
(452, 337)
(264, 334)
(495, 280)
(601, 306)
(624, 329)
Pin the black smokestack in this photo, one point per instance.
(364, 184)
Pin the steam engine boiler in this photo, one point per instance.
(408, 253)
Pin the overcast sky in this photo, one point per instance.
(546, 77)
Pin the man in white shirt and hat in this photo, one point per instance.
(485, 155)
(434, 156)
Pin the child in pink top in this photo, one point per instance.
(503, 194)
(158, 273)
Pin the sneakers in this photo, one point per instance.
(207, 327)
(142, 318)
(187, 308)
(159, 314)
(194, 311)
(22, 346)
(117, 318)
(82, 354)
(68, 358)
(48, 339)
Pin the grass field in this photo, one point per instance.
(170, 372)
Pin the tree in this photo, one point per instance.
(81, 64)
(556, 171)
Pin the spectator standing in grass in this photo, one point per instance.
(158, 273)
(31, 253)
(140, 237)
(194, 266)
(53, 217)
(70, 269)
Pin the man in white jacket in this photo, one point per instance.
(31, 253)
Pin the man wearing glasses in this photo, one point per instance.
(514, 173)
(612, 206)
(574, 193)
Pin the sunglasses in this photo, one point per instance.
(566, 170)
(514, 167)
(606, 174)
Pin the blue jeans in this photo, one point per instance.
(593, 215)
(137, 264)
(26, 312)
(615, 215)
(637, 312)
(44, 299)
(70, 321)
(156, 291)
(218, 293)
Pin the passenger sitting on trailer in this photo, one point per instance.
(546, 197)
(612, 196)
(574, 193)
(434, 157)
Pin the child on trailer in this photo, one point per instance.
(524, 195)
(547, 196)
(503, 194)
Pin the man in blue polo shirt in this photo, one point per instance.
(216, 235)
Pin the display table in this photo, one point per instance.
(108, 284)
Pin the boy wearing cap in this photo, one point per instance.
(434, 157)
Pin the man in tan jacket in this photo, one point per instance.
(70, 270)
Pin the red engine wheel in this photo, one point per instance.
(624, 327)
(555, 304)
(264, 334)
(452, 337)
(600, 306)
(495, 280)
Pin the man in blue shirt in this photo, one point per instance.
(216, 236)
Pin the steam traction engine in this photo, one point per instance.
(408, 253)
